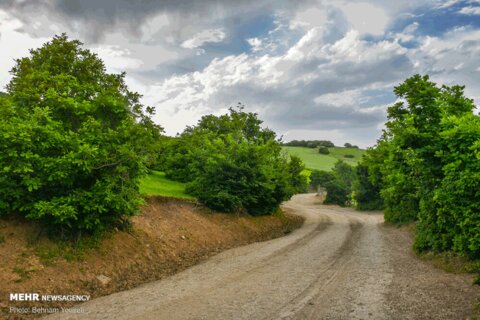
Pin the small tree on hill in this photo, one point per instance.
(323, 150)
(238, 165)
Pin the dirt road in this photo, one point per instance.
(340, 265)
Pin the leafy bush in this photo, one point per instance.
(325, 143)
(234, 164)
(455, 224)
(350, 146)
(349, 156)
(426, 166)
(337, 193)
(323, 150)
(310, 143)
(297, 180)
(319, 178)
(340, 188)
(366, 193)
(75, 140)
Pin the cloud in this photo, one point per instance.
(340, 99)
(441, 4)
(470, 10)
(255, 43)
(14, 44)
(151, 19)
(408, 33)
(366, 18)
(117, 59)
(310, 68)
(309, 17)
(451, 59)
(205, 36)
(313, 85)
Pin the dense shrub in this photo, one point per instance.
(455, 222)
(74, 140)
(310, 143)
(349, 156)
(337, 193)
(235, 164)
(366, 193)
(340, 188)
(350, 146)
(323, 150)
(426, 166)
(320, 178)
(297, 180)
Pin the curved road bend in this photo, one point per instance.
(341, 264)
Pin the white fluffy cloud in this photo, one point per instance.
(299, 87)
(255, 43)
(14, 44)
(321, 69)
(117, 59)
(470, 10)
(452, 59)
(366, 18)
(205, 36)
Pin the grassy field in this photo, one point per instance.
(155, 184)
(315, 160)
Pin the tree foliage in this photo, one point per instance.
(365, 192)
(310, 143)
(75, 140)
(338, 183)
(323, 150)
(232, 164)
(320, 178)
(426, 164)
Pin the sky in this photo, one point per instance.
(311, 69)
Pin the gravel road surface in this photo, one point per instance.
(341, 264)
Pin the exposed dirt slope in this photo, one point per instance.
(170, 235)
(340, 265)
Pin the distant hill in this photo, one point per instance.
(315, 160)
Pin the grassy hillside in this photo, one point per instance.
(314, 160)
(155, 184)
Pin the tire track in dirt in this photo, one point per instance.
(340, 265)
(326, 276)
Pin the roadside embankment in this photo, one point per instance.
(169, 235)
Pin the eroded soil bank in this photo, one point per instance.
(341, 264)
(168, 236)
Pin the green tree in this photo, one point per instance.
(340, 188)
(454, 224)
(235, 164)
(370, 175)
(76, 140)
(297, 180)
(366, 194)
(320, 178)
(337, 193)
(323, 150)
(426, 166)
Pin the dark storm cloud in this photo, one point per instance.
(93, 19)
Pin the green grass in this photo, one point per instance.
(155, 184)
(316, 161)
